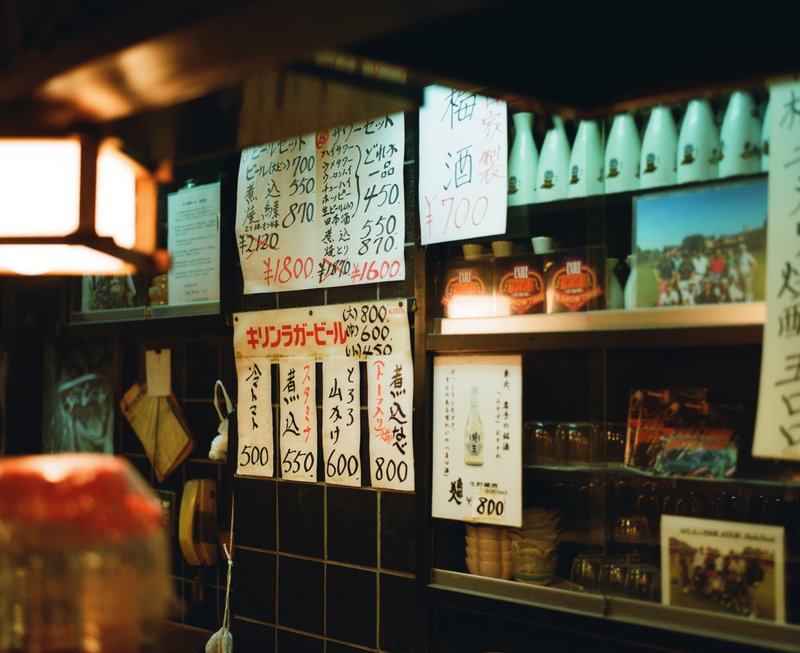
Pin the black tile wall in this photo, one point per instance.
(397, 613)
(255, 512)
(397, 531)
(301, 594)
(352, 525)
(251, 637)
(351, 595)
(289, 642)
(338, 647)
(254, 582)
(301, 517)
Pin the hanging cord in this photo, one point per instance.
(226, 619)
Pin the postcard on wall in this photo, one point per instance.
(704, 246)
(723, 566)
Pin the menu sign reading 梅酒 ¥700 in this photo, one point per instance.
(324, 209)
(477, 447)
(351, 344)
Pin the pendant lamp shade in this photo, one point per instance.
(75, 206)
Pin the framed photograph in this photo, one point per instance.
(701, 246)
(723, 566)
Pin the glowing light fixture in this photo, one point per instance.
(76, 206)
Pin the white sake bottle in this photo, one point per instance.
(765, 138)
(629, 293)
(698, 144)
(740, 137)
(523, 161)
(586, 161)
(659, 150)
(552, 176)
(614, 294)
(621, 164)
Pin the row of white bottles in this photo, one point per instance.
(700, 151)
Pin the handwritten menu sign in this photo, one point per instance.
(323, 210)
(340, 336)
(298, 415)
(777, 433)
(477, 448)
(341, 415)
(193, 237)
(254, 418)
(462, 165)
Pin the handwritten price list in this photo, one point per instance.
(340, 336)
(255, 453)
(463, 166)
(323, 210)
(777, 433)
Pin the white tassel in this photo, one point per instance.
(219, 445)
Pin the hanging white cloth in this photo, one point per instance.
(219, 445)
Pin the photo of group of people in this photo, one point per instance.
(703, 247)
(723, 566)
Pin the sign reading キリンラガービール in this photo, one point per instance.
(324, 209)
(360, 343)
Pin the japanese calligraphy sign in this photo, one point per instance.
(477, 447)
(298, 419)
(341, 337)
(462, 165)
(323, 209)
(254, 418)
(341, 435)
(777, 433)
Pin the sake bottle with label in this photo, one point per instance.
(698, 144)
(552, 176)
(765, 139)
(522, 162)
(586, 161)
(473, 433)
(659, 150)
(623, 150)
(740, 137)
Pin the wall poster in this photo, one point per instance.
(477, 448)
(352, 344)
(324, 209)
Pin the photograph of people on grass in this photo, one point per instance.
(705, 246)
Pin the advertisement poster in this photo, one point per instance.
(463, 154)
(723, 566)
(477, 448)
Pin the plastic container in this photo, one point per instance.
(84, 559)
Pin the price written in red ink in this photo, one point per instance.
(283, 270)
(455, 214)
(375, 271)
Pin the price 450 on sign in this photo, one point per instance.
(454, 217)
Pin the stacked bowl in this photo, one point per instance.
(534, 547)
(488, 551)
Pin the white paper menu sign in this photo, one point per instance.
(389, 405)
(298, 419)
(777, 430)
(463, 162)
(254, 418)
(193, 237)
(341, 416)
(323, 210)
(477, 446)
(340, 336)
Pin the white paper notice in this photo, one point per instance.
(777, 433)
(298, 419)
(389, 405)
(158, 367)
(463, 156)
(323, 210)
(477, 447)
(341, 421)
(254, 418)
(340, 336)
(193, 236)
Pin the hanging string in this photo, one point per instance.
(226, 619)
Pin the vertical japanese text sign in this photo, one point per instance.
(477, 447)
(777, 433)
(341, 337)
(462, 165)
(325, 209)
(254, 418)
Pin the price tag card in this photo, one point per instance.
(159, 372)
(477, 447)
(463, 163)
(193, 239)
(323, 210)
(298, 419)
(389, 405)
(777, 432)
(341, 423)
(254, 418)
